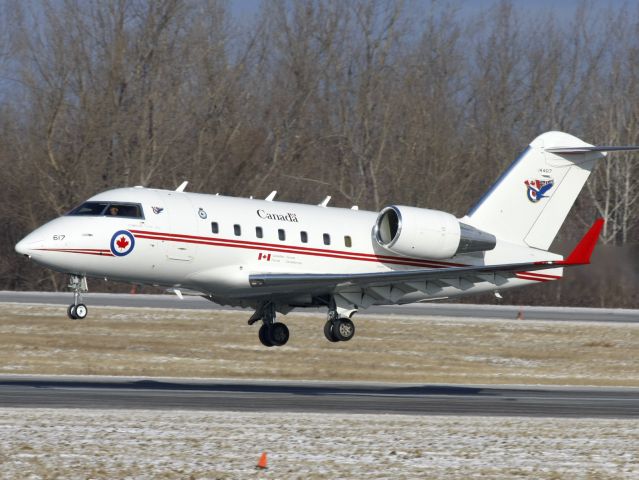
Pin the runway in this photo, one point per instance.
(420, 309)
(320, 397)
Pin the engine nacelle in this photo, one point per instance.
(419, 232)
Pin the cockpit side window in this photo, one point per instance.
(109, 209)
(124, 210)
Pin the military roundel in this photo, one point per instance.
(122, 243)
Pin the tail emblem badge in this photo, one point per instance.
(536, 189)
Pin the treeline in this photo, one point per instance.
(372, 102)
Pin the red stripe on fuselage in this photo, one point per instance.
(225, 242)
(281, 249)
(83, 251)
(318, 252)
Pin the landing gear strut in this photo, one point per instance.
(77, 310)
(272, 333)
(338, 329)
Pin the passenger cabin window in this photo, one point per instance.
(327, 239)
(109, 209)
(237, 229)
(281, 234)
(304, 237)
(347, 241)
(258, 232)
(215, 228)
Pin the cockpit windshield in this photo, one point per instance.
(89, 208)
(109, 209)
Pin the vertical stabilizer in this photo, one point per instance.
(530, 201)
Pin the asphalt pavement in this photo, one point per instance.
(319, 397)
(426, 309)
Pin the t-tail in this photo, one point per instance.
(530, 201)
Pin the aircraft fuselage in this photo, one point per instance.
(211, 244)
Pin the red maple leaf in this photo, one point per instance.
(122, 242)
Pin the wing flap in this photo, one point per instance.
(449, 275)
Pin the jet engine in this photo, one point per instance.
(423, 233)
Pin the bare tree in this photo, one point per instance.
(372, 102)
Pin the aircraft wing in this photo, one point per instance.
(395, 284)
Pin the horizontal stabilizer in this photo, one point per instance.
(586, 149)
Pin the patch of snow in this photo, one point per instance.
(151, 444)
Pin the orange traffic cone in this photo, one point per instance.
(262, 463)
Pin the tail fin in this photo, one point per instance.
(530, 201)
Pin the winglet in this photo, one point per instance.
(583, 251)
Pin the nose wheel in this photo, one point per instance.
(77, 310)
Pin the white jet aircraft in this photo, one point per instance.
(276, 256)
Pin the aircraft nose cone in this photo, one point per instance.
(21, 247)
(26, 245)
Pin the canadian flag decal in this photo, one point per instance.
(264, 256)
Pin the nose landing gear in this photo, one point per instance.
(77, 310)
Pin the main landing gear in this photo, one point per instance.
(77, 310)
(272, 333)
(275, 334)
(338, 329)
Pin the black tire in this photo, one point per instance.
(71, 312)
(264, 337)
(81, 311)
(343, 329)
(278, 334)
(328, 332)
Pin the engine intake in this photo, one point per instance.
(425, 233)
